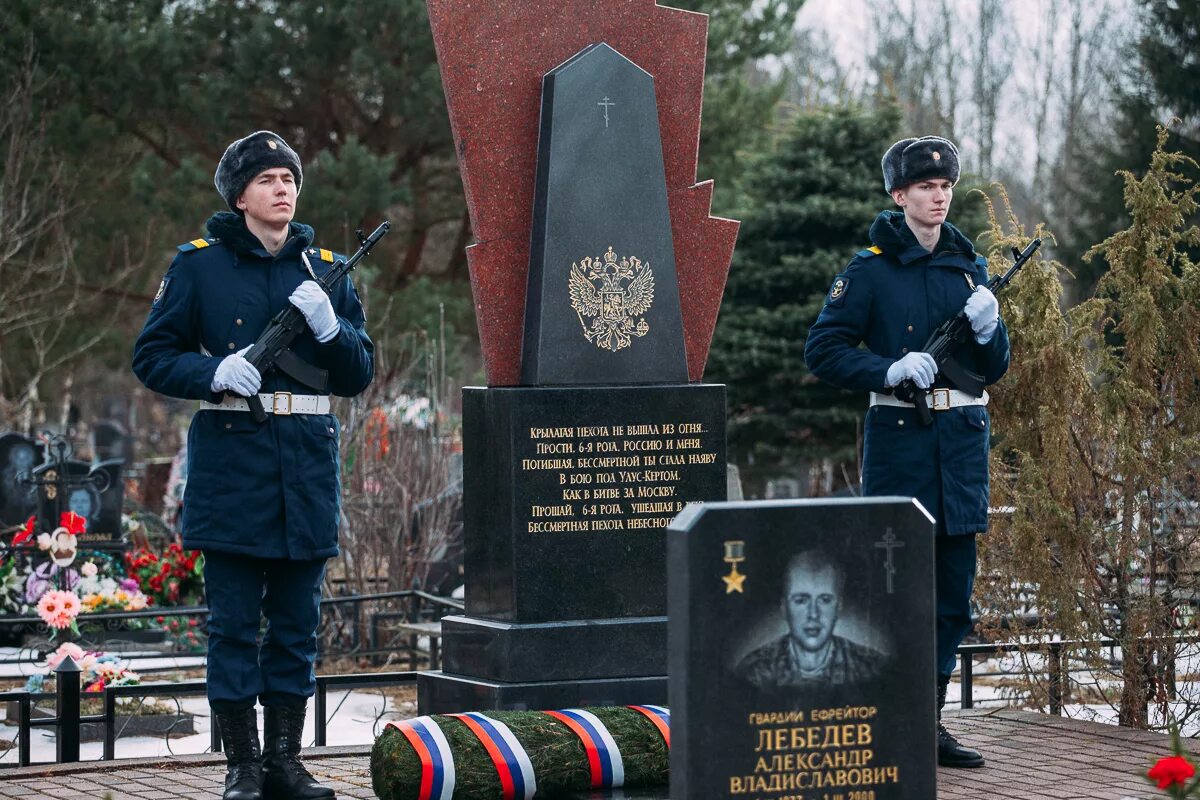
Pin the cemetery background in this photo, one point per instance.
(793, 151)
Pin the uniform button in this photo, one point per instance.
(903, 349)
(232, 346)
(228, 426)
(900, 422)
(239, 322)
(331, 430)
(909, 327)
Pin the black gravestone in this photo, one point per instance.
(802, 650)
(95, 492)
(603, 300)
(110, 442)
(18, 457)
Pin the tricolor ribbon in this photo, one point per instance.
(433, 751)
(661, 717)
(604, 757)
(513, 766)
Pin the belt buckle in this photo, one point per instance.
(941, 400)
(275, 403)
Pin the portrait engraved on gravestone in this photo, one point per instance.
(812, 652)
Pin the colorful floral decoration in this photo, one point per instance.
(58, 609)
(1173, 773)
(98, 670)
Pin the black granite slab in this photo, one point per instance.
(567, 493)
(549, 651)
(93, 491)
(603, 300)
(802, 650)
(442, 693)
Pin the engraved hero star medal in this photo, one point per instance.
(735, 553)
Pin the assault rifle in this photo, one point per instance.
(270, 351)
(950, 335)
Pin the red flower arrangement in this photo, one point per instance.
(174, 577)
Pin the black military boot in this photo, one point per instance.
(239, 738)
(284, 777)
(949, 752)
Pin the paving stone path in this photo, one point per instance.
(1030, 757)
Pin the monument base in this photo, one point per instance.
(509, 652)
(444, 693)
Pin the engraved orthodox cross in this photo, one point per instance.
(889, 543)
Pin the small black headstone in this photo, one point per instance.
(802, 650)
(603, 300)
(93, 491)
(111, 442)
(18, 456)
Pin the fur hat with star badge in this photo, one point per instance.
(246, 158)
(912, 160)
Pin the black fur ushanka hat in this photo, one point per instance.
(245, 158)
(912, 160)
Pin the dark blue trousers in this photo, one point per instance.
(241, 591)
(955, 568)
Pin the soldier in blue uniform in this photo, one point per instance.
(919, 272)
(262, 501)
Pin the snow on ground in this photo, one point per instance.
(354, 718)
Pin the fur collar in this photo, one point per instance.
(231, 229)
(891, 234)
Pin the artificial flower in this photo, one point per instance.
(26, 533)
(89, 570)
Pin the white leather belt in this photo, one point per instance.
(281, 403)
(936, 399)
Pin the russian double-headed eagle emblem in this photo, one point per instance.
(608, 295)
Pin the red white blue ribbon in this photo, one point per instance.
(433, 751)
(661, 717)
(513, 767)
(604, 757)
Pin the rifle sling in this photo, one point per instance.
(298, 369)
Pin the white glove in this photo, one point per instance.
(314, 304)
(919, 366)
(983, 310)
(236, 374)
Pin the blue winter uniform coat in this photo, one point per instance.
(269, 490)
(890, 298)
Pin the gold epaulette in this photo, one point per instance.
(197, 244)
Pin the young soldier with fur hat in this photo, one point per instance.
(261, 500)
(919, 272)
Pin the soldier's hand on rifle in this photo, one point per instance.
(236, 374)
(314, 304)
(983, 310)
(919, 366)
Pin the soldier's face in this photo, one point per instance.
(926, 202)
(270, 197)
(811, 604)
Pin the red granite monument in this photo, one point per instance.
(597, 275)
(492, 55)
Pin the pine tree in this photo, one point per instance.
(815, 197)
(737, 110)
